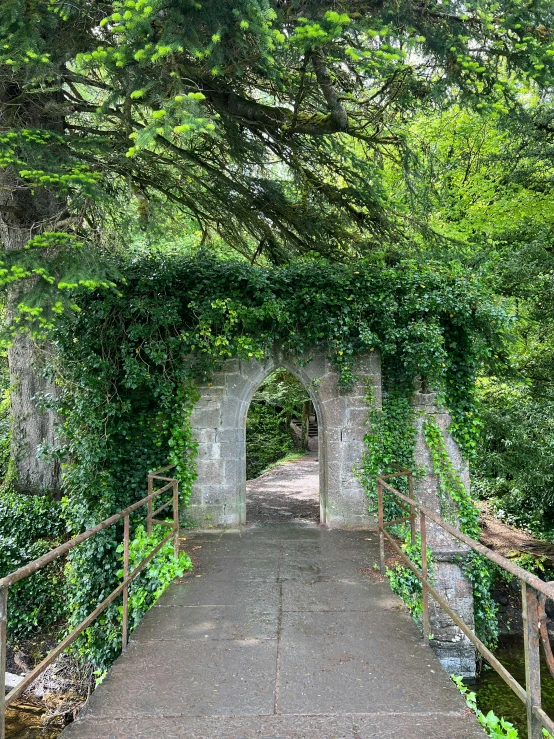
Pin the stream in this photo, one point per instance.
(493, 693)
(24, 721)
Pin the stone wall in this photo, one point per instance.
(455, 651)
(219, 424)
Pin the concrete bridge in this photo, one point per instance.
(281, 631)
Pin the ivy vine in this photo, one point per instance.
(128, 361)
(459, 506)
(391, 442)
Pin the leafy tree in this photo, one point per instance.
(279, 399)
(268, 122)
(486, 184)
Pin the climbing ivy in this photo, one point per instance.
(390, 442)
(457, 504)
(129, 358)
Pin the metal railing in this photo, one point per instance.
(123, 588)
(534, 595)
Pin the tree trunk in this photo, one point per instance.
(23, 215)
(31, 427)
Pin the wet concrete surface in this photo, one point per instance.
(281, 631)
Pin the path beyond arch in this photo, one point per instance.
(281, 631)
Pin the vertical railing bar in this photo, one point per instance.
(176, 518)
(412, 509)
(424, 588)
(3, 647)
(530, 612)
(381, 527)
(124, 628)
(149, 507)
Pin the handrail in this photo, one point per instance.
(122, 588)
(533, 605)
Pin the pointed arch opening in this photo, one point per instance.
(282, 453)
(219, 425)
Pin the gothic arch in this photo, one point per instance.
(219, 423)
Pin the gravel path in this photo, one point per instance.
(288, 493)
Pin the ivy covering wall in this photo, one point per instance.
(126, 365)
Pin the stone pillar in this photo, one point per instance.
(345, 424)
(219, 424)
(453, 648)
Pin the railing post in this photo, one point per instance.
(176, 518)
(381, 527)
(530, 608)
(424, 588)
(149, 507)
(125, 636)
(412, 509)
(3, 638)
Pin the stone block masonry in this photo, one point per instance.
(219, 424)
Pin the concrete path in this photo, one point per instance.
(281, 631)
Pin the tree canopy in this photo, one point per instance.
(267, 122)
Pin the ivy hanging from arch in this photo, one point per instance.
(128, 359)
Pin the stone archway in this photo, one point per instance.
(219, 423)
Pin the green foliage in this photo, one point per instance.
(389, 443)
(267, 438)
(101, 642)
(277, 116)
(268, 433)
(30, 526)
(457, 505)
(486, 184)
(126, 387)
(282, 391)
(497, 728)
(514, 466)
(482, 575)
(5, 430)
(124, 402)
(404, 582)
(151, 583)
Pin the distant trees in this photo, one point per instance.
(279, 399)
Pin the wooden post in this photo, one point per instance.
(530, 607)
(149, 507)
(176, 518)
(425, 590)
(3, 638)
(412, 509)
